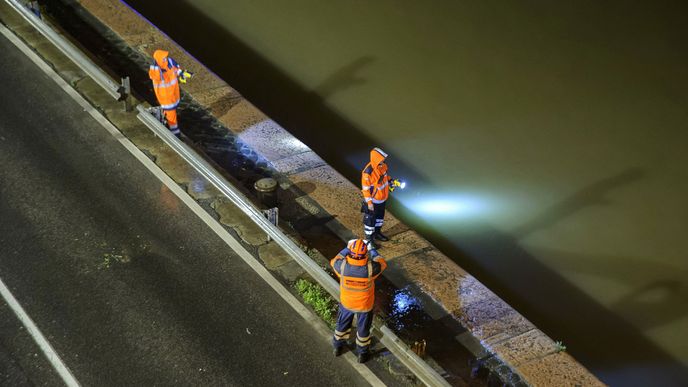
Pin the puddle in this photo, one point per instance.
(405, 313)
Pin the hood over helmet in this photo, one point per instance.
(160, 57)
(377, 156)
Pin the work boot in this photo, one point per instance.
(363, 357)
(370, 243)
(380, 236)
(337, 351)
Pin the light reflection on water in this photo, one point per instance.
(456, 206)
(198, 184)
(406, 311)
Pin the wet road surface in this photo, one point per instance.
(125, 282)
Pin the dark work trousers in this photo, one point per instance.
(342, 330)
(373, 221)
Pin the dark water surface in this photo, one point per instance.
(545, 144)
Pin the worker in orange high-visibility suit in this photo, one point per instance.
(375, 185)
(165, 74)
(357, 274)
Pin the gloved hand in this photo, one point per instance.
(370, 207)
(184, 76)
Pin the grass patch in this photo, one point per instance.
(560, 347)
(319, 299)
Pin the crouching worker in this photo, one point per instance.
(357, 269)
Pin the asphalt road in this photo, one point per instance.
(129, 287)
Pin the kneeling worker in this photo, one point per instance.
(164, 73)
(357, 276)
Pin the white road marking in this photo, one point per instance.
(315, 322)
(38, 337)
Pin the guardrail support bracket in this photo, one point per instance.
(125, 94)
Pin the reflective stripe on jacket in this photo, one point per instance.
(374, 179)
(357, 280)
(164, 72)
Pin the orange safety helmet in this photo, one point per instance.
(358, 248)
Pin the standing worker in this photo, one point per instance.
(164, 73)
(357, 274)
(375, 186)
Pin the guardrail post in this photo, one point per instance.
(272, 214)
(125, 94)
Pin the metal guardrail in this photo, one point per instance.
(256, 215)
(120, 92)
(388, 338)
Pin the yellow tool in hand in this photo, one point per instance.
(185, 75)
(397, 183)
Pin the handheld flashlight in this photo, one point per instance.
(397, 183)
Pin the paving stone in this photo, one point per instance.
(144, 139)
(199, 188)
(273, 255)
(402, 244)
(434, 274)
(291, 271)
(10, 17)
(54, 56)
(29, 34)
(280, 143)
(510, 325)
(298, 163)
(219, 100)
(175, 167)
(70, 76)
(241, 116)
(232, 216)
(123, 120)
(558, 369)
(143, 42)
(533, 344)
(471, 291)
(308, 204)
(117, 15)
(492, 320)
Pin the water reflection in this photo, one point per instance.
(446, 204)
(405, 312)
(198, 184)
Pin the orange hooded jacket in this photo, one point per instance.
(374, 179)
(164, 73)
